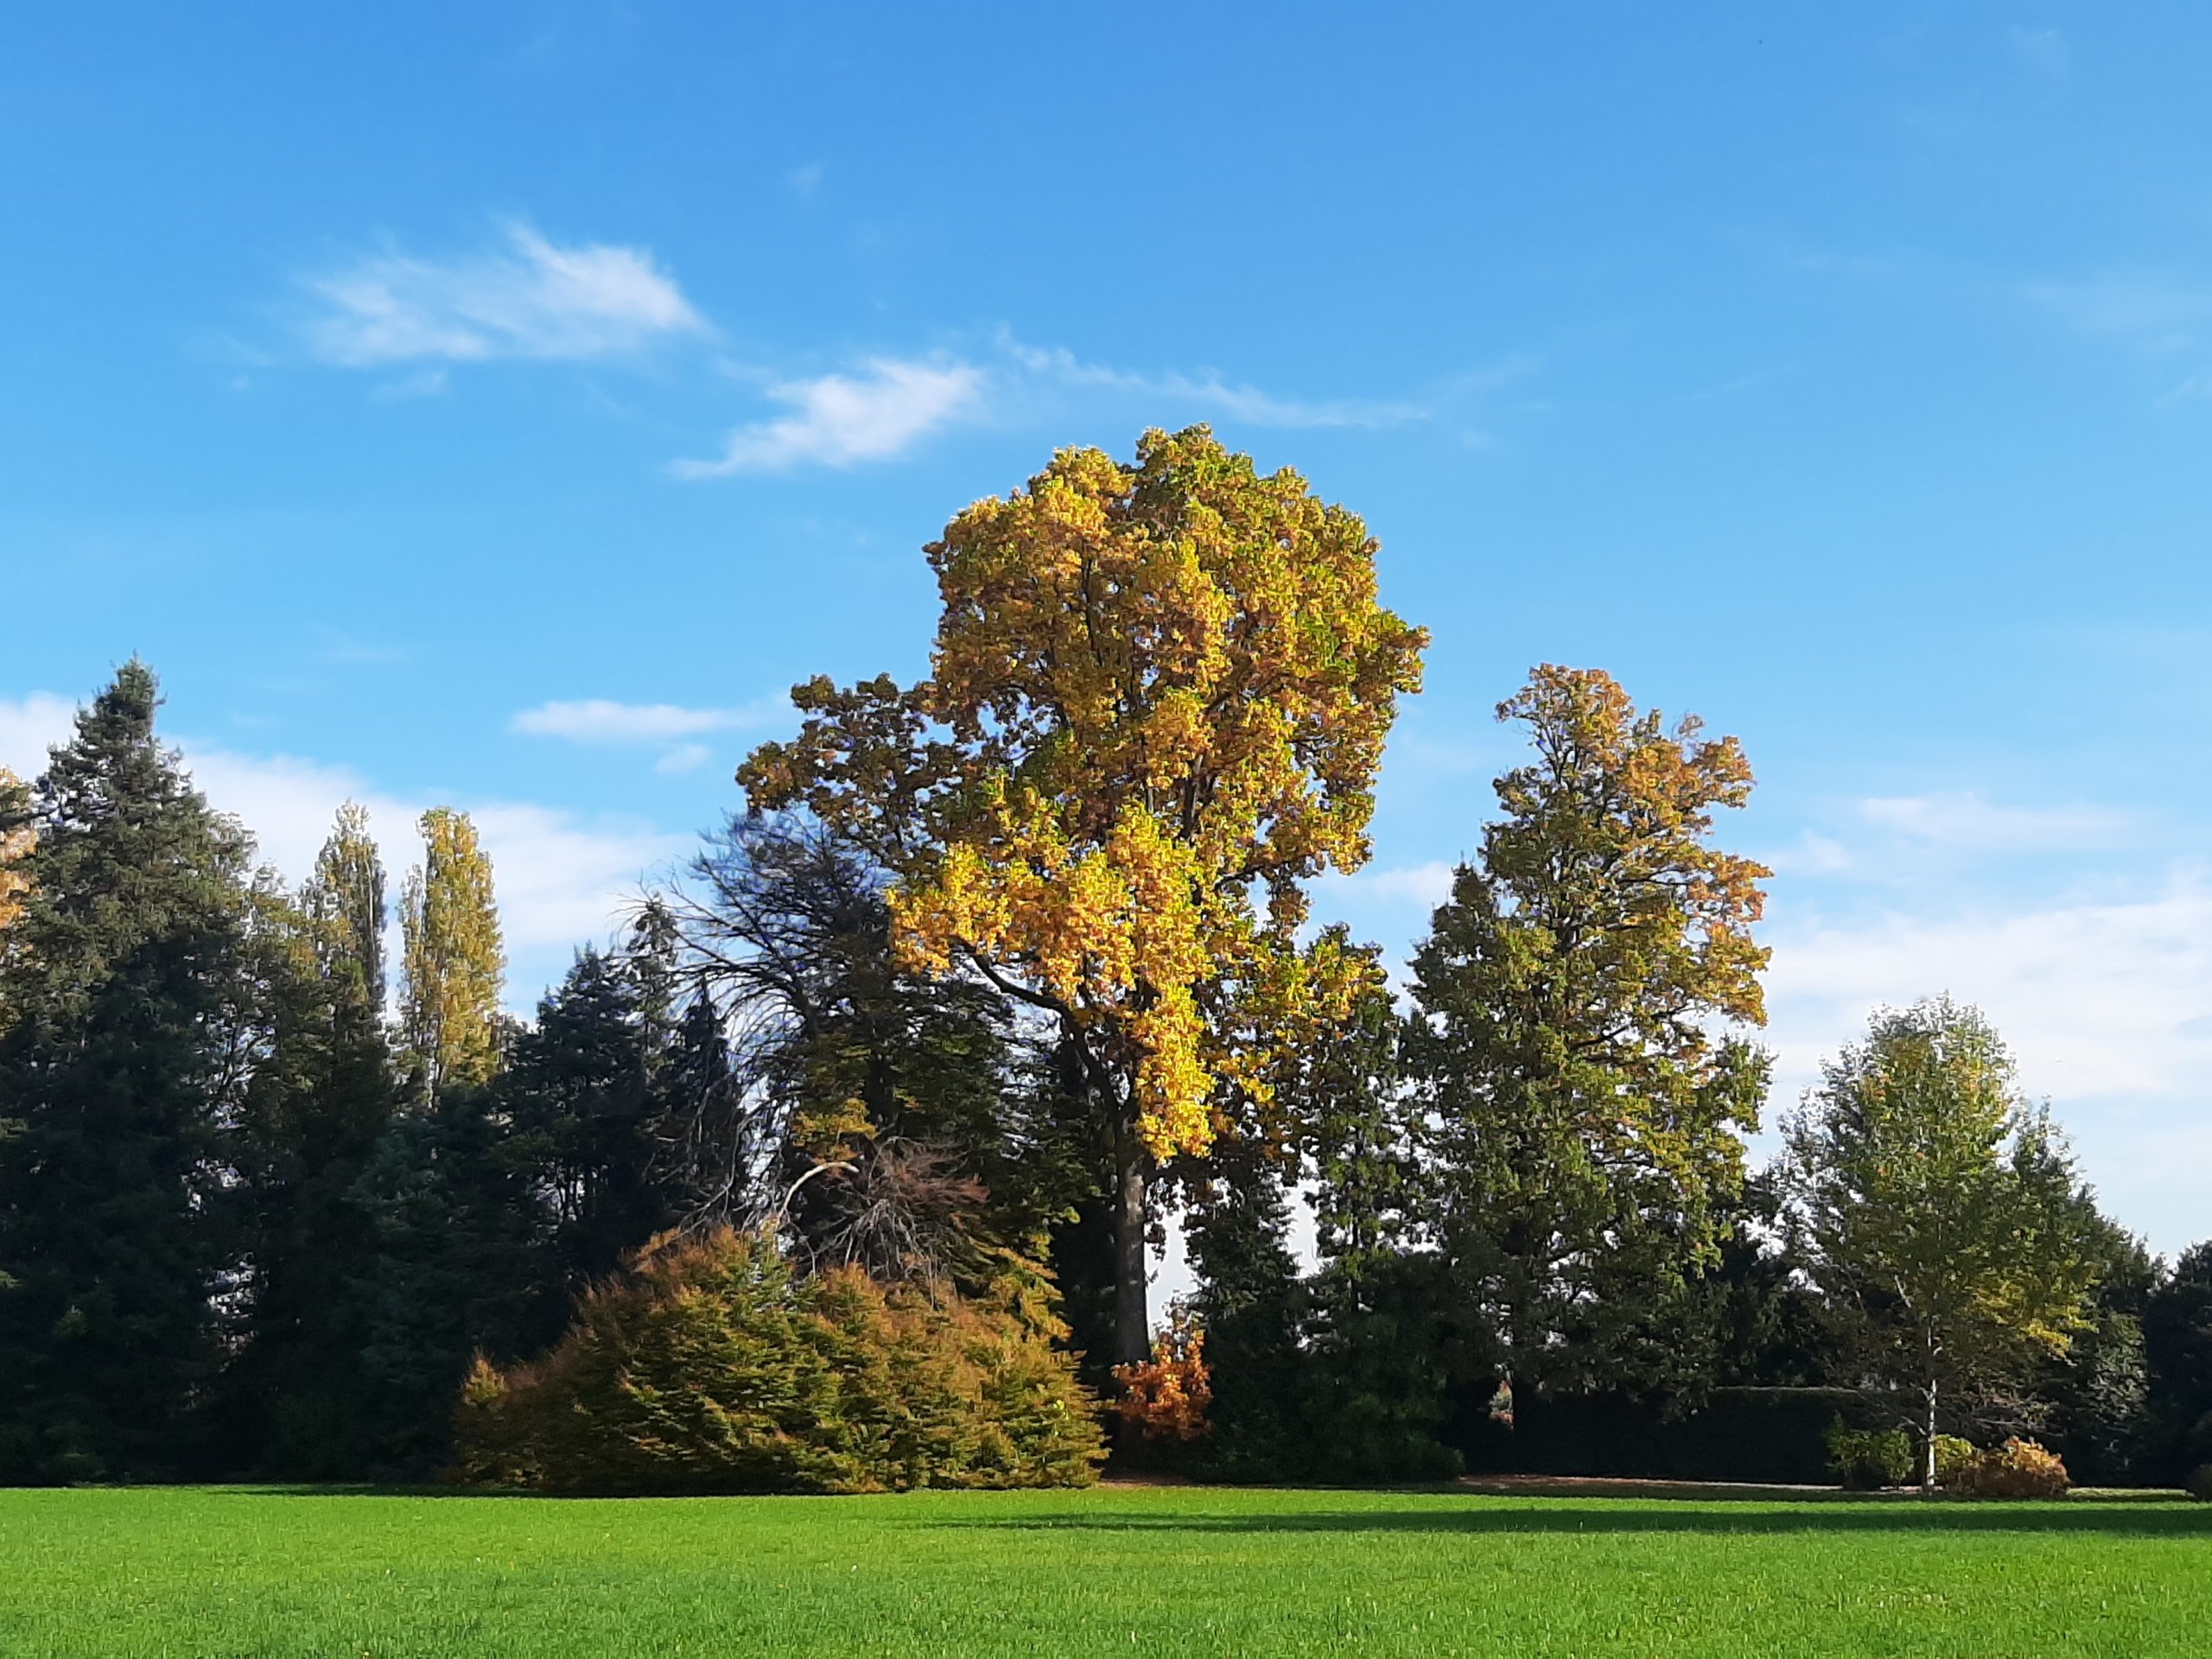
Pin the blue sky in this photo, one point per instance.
(500, 404)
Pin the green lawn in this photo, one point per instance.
(1120, 1571)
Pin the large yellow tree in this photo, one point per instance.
(1156, 708)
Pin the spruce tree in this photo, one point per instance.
(578, 1096)
(120, 1063)
(450, 1012)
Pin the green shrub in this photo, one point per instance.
(2199, 1484)
(1867, 1459)
(1955, 1457)
(2017, 1469)
(710, 1368)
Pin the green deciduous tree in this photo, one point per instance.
(345, 899)
(1585, 1115)
(123, 1062)
(1940, 1213)
(449, 1009)
(1158, 698)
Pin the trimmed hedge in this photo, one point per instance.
(1776, 1435)
(711, 1367)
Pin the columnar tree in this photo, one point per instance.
(449, 1009)
(1940, 1212)
(1157, 702)
(345, 899)
(119, 1062)
(1573, 1040)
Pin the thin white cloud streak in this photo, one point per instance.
(685, 757)
(1962, 819)
(532, 298)
(598, 720)
(1425, 884)
(1209, 391)
(837, 420)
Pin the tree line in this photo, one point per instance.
(987, 979)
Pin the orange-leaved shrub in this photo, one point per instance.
(1167, 1396)
(710, 1367)
(2017, 1469)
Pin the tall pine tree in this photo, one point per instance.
(121, 1064)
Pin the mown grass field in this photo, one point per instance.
(1118, 1570)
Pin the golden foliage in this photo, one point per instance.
(1167, 1396)
(451, 953)
(17, 837)
(1157, 704)
(2017, 1469)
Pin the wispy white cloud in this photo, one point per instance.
(805, 180)
(1210, 391)
(1965, 821)
(839, 419)
(685, 757)
(1424, 885)
(598, 719)
(530, 298)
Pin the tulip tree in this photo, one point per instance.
(1156, 708)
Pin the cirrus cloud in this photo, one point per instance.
(532, 298)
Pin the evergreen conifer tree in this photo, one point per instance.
(120, 1063)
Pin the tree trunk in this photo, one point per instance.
(1132, 1319)
(1928, 1445)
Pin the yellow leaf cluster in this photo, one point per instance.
(16, 840)
(1158, 701)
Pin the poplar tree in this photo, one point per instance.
(1572, 1042)
(449, 1009)
(121, 1064)
(345, 899)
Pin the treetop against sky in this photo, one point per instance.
(508, 423)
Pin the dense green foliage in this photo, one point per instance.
(255, 1223)
(122, 1060)
(134, 1575)
(1942, 1215)
(712, 1368)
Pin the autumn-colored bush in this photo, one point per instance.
(2017, 1469)
(710, 1367)
(1867, 1459)
(1955, 1457)
(1167, 1395)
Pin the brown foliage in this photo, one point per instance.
(2017, 1469)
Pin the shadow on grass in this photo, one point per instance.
(2149, 1518)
